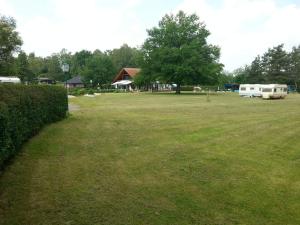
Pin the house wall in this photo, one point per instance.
(75, 85)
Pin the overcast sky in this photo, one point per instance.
(242, 28)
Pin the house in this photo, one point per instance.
(45, 80)
(124, 79)
(13, 80)
(75, 82)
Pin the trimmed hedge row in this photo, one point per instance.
(24, 110)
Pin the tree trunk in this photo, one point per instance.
(178, 89)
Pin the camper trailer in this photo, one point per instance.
(272, 91)
(13, 80)
(250, 90)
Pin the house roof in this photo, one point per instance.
(130, 71)
(44, 78)
(75, 80)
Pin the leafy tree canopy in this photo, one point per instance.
(177, 52)
(10, 42)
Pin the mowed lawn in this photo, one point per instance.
(160, 159)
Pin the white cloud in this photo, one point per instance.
(242, 28)
(77, 25)
(6, 9)
(246, 28)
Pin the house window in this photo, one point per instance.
(126, 77)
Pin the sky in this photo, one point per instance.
(241, 28)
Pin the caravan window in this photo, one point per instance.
(252, 88)
(267, 90)
(285, 89)
(243, 89)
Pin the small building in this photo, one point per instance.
(124, 79)
(45, 80)
(12, 80)
(75, 82)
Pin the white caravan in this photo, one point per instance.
(250, 90)
(270, 91)
(14, 80)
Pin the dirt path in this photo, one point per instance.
(73, 107)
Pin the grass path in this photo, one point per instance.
(160, 159)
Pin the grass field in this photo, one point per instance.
(160, 159)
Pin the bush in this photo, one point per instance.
(187, 88)
(83, 91)
(24, 110)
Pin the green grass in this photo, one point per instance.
(160, 159)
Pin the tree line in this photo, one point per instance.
(175, 52)
(276, 65)
(98, 66)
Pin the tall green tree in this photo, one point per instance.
(10, 43)
(79, 61)
(124, 56)
(241, 75)
(256, 72)
(54, 70)
(295, 66)
(23, 71)
(276, 64)
(37, 65)
(177, 52)
(225, 78)
(99, 69)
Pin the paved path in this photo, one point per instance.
(73, 107)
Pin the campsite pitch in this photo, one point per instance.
(160, 159)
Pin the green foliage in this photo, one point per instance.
(77, 91)
(83, 91)
(295, 67)
(158, 159)
(275, 66)
(187, 88)
(225, 78)
(99, 69)
(177, 52)
(10, 43)
(125, 56)
(23, 70)
(24, 110)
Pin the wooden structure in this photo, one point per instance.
(45, 80)
(126, 74)
(75, 82)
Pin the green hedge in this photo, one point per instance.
(24, 110)
(83, 91)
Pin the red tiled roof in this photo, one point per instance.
(130, 71)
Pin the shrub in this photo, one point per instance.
(24, 110)
(83, 91)
(187, 88)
